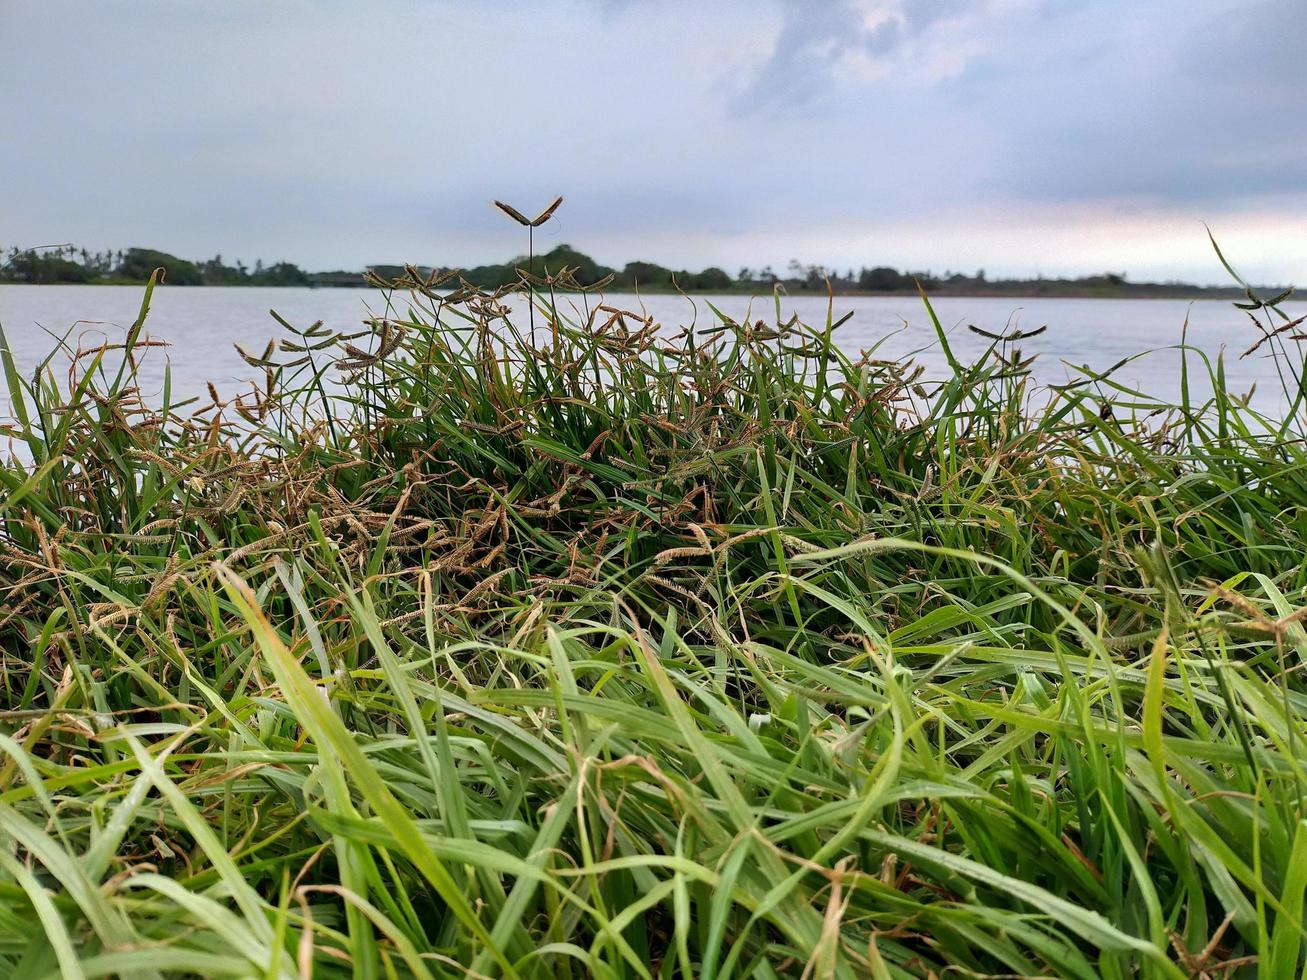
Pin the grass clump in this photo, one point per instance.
(626, 653)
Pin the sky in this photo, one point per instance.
(1053, 137)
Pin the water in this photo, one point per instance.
(203, 323)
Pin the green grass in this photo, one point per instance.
(632, 654)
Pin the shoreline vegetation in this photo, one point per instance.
(67, 265)
(467, 647)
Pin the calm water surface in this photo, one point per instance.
(202, 324)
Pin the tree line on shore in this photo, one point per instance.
(69, 264)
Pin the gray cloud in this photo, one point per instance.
(1198, 104)
(816, 37)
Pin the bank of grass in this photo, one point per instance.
(628, 654)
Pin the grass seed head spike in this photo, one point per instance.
(522, 219)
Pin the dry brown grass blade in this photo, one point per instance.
(513, 213)
(547, 213)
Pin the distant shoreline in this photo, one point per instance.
(571, 270)
(1135, 291)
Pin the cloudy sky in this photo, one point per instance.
(1021, 136)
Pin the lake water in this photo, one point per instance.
(203, 323)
